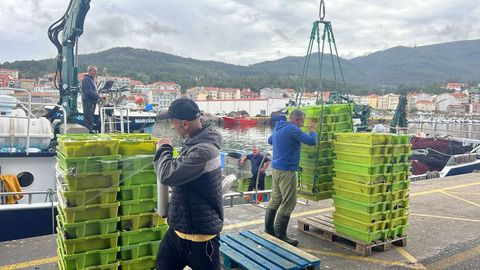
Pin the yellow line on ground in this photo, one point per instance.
(464, 193)
(461, 199)
(355, 257)
(409, 257)
(445, 217)
(261, 220)
(446, 262)
(29, 264)
(444, 189)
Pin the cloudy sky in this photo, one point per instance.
(237, 31)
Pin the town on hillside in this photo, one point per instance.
(457, 99)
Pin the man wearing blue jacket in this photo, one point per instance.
(286, 140)
(89, 96)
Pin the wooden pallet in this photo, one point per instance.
(322, 227)
(258, 250)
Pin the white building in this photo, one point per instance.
(272, 93)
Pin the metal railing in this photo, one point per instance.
(111, 121)
(232, 195)
(29, 194)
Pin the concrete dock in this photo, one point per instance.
(444, 232)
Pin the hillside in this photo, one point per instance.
(414, 66)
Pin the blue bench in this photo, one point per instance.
(258, 250)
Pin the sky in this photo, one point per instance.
(239, 32)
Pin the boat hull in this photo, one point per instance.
(239, 121)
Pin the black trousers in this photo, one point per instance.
(261, 182)
(88, 111)
(176, 253)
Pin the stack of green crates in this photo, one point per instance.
(87, 187)
(371, 185)
(316, 162)
(141, 229)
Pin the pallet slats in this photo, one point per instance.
(322, 227)
(255, 250)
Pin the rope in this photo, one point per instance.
(50, 194)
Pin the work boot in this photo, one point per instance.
(270, 220)
(281, 225)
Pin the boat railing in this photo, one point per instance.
(29, 115)
(110, 121)
(49, 195)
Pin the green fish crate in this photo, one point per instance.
(315, 196)
(370, 139)
(89, 243)
(371, 217)
(87, 145)
(359, 225)
(315, 170)
(311, 179)
(112, 266)
(315, 188)
(363, 159)
(321, 153)
(143, 263)
(86, 181)
(82, 165)
(400, 149)
(131, 147)
(399, 139)
(342, 117)
(359, 187)
(140, 221)
(87, 228)
(129, 178)
(137, 162)
(88, 212)
(142, 235)
(136, 192)
(133, 252)
(360, 149)
(89, 196)
(139, 206)
(358, 206)
(400, 158)
(399, 185)
(364, 236)
(242, 184)
(360, 168)
(96, 259)
(398, 231)
(361, 197)
(363, 178)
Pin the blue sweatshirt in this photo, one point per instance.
(89, 90)
(286, 139)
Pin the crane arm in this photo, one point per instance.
(70, 25)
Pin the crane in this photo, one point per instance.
(70, 25)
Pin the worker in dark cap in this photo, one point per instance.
(195, 212)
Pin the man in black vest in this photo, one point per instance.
(195, 213)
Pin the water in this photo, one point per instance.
(234, 138)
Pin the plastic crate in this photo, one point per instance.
(89, 243)
(94, 258)
(130, 147)
(141, 177)
(360, 149)
(361, 197)
(137, 162)
(142, 235)
(359, 167)
(342, 108)
(359, 225)
(359, 187)
(400, 176)
(320, 187)
(88, 196)
(401, 158)
(342, 117)
(321, 153)
(133, 207)
(139, 221)
(399, 204)
(112, 266)
(136, 251)
(143, 263)
(398, 195)
(398, 231)
(386, 215)
(343, 125)
(137, 192)
(306, 169)
(365, 237)
(89, 212)
(242, 184)
(362, 178)
(87, 145)
(81, 165)
(88, 181)
(401, 149)
(310, 178)
(87, 228)
(399, 185)
(362, 138)
(363, 159)
(358, 206)
(400, 139)
(401, 221)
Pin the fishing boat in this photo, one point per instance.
(244, 121)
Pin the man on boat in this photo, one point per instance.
(89, 96)
(195, 213)
(259, 163)
(286, 140)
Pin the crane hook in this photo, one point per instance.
(321, 10)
